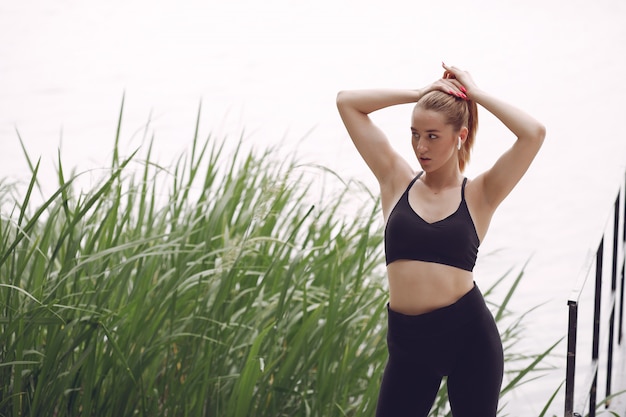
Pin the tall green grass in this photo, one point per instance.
(213, 287)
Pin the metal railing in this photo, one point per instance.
(605, 336)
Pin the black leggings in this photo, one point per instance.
(460, 341)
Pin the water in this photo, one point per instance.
(273, 69)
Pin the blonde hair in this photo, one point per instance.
(458, 113)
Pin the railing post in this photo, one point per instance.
(621, 307)
(621, 285)
(609, 366)
(624, 216)
(571, 358)
(595, 351)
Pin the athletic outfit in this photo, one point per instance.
(452, 241)
(460, 341)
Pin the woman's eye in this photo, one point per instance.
(432, 136)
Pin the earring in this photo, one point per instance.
(459, 145)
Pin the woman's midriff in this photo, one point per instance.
(417, 287)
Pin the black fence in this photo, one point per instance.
(596, 311)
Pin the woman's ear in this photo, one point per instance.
(463, 133)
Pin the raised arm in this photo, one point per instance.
(498, 181)
(354, 107)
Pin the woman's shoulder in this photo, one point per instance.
(480, 209)
(394, 186)
(474, 189)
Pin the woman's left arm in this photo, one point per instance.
(497, 182)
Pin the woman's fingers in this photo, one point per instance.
(458, 78)
(455, 88)
(448, 72)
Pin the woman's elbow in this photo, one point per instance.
(540, 133)
(536, 134)
(345, 101)
(342, 97)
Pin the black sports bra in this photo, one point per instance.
(451, 241)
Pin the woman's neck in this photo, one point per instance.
(443, 178)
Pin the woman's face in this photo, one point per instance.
(434, 141)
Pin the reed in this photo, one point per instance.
(214, 287)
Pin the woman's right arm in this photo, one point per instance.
(354, 107)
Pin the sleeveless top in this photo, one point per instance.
(451, 241)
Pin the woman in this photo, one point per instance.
(438, 322)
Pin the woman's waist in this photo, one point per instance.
(417, 287)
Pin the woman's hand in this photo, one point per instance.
(448, 86)
(461, 81)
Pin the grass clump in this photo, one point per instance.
(232, 296)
